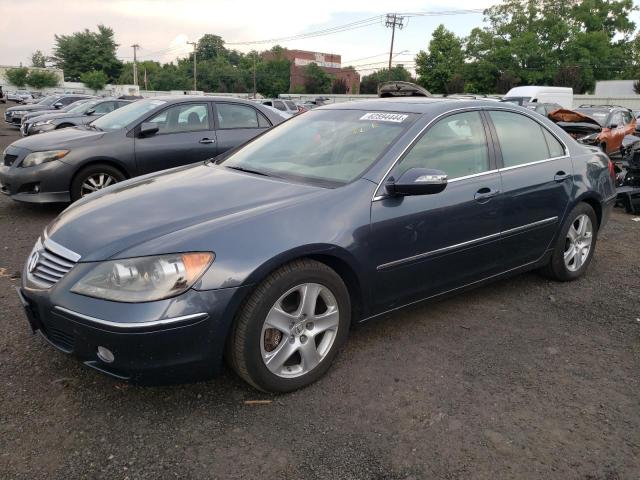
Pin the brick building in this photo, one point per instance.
(329, 62)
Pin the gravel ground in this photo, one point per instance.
(524, 378)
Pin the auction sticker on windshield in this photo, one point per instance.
(384, 117)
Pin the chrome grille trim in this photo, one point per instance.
(54, 262)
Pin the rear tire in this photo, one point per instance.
(575, 245)
(279, 342)
(93, 178)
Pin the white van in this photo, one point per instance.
(533, 94)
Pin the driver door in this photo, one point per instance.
(425, 245)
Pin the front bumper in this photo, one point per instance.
(45, 183)
(169, 341)
(13, 120)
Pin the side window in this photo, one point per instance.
(188, 117)
(105, 107)
(279, 104)
(68, 100)
(262, 121)
(627, 117)
(457, 145)
(233, 115)
(521, 139)
(555, 147)
(291, 105)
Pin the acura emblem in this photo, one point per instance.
(33, 262)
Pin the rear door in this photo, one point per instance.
(185, 135)
(237, 123)
(537, 181)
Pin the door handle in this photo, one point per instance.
(561, 176)
(485, 194)
(207, 140)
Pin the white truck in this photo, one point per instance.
(534, 94)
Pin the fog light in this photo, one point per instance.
(105, 355)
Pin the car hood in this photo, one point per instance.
(65, 138)
(145, 208)
(29, 108)
(38, 113)
(570, 116)
(47, 115)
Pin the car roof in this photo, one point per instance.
(199, 98)
(412, 104)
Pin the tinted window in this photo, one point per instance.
(291, 105)
(262, 121)
(456, 145)
(279, 105)
(187, 117)
(521, 139)
(104, 107)
(555, 147)
(232, 115)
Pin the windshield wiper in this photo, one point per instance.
(248, 170)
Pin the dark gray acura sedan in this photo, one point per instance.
(142, 137)
(266, 257)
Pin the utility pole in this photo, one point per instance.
(135, 63)
(393, 21)
(254, 75)
(145, 78)
(195, 84)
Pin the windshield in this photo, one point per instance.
(325, 146)
(49, 100)
(122, 117)
(80, 106)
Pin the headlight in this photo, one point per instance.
(36, 158)
(18, 112)
(589, 139)
(144, 279)
(38, 124)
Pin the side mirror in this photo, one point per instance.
(613, 125)
(417, 181)
(90, 112)
(148, 129)
(57, 105)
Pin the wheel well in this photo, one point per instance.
(102, 162)
(65, 125)
(593, 203)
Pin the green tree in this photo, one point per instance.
(95, 79)
(444, 59)
(38, 59)
(339, 86)
(316, 80)
(17, 76)
(369, 83)
(273, 72)
(87, 51)
(210, 47)
(42, 79)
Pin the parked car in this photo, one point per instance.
(19, 96)
(287, 106)
(337, 216)
(13, 115)
(604, 126)
(28, 116)
(3, 98)
(142, 137)
(82, 113)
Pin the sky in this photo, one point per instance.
(162, 27)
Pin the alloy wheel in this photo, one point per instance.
(96, 182)
(578, 243)
(299, 330)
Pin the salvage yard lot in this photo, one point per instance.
(524, 378)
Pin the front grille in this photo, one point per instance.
(49, 262)
(7, 116)
(9, 159)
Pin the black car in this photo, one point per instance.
(142, 137)
(13, 115)
(82, 113)
(343, 214)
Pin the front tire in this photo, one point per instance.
(288, 332)
(93, 178)
(575, 245)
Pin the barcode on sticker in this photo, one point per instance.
(384, 117)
